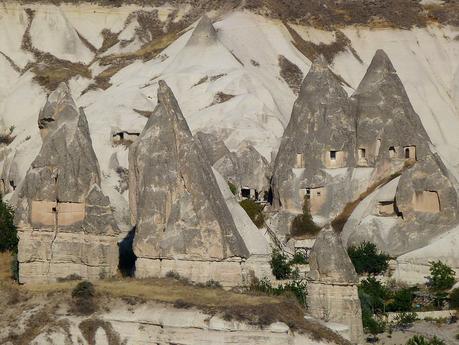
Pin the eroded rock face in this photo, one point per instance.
(65, 222)
(389, 132)
(176, 203)
(332, 284)
(317, 150)
(246, 168)
(392, 140)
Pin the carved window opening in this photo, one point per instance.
(409, 152)
(12, 184)
(392, 152)
(249, 193)
(426, 201)
(362, 153)
(299, 163)
(332, 155)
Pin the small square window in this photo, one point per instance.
(333, 155)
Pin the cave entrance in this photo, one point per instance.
(127, 258)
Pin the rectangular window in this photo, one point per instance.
(332, 155)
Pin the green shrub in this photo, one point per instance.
(372, 295)
(83, 298)
(280, 265)
(255, 211)
(232, 188)
(454, 299)
(367, 259)
(420, 340)
(84, 289)
(401, 300)
(213, 284)
(299, 259)
(8, 232)
(405, 320)
(303, 224)
(371, 325)
(296, 288)
(441, 276)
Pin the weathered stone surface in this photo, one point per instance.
(319, 137)
(332, 284)
(175, 200)
(65, 222)
(389, 132)
(424, 205)
(245, 168)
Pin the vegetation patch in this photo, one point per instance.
(291, 73)
(254, 210)
(367, 259)
(83, 299)
(8, 232)
(303, 225)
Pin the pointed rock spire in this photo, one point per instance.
(61, 195)
(204, 33)
(321, 123)
(178, 208)
(329, 261)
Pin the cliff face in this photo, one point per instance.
(64, 220)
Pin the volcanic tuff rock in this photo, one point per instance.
(64, 220)
(388, 129)
(391, 138)
(175, 200)
(319, 137)
(245, 168)
(332, 284)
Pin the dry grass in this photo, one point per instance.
(259, 310)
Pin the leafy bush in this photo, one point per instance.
(372, 296)
(401, 300)
(420, 340)
(255, 211)
(297, 288)
(372, 325)
(454, 299)
(299, 258)
(83, 298)
(280, 265)
(405, 320)
(303, 224)
(8, 232)
(367, 259)
(441, 276)
(232, 188)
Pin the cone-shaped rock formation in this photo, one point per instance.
(332, 284)
(64, 220)
(176, 203)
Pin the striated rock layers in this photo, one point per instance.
(65, 222)
(332, 284)
(183, 223)
(392, 140)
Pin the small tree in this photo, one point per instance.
(372, 295)
(8, 232)
(280, 265)
(303, 224)
(454, 299)
(441, 276)
(367, 259)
